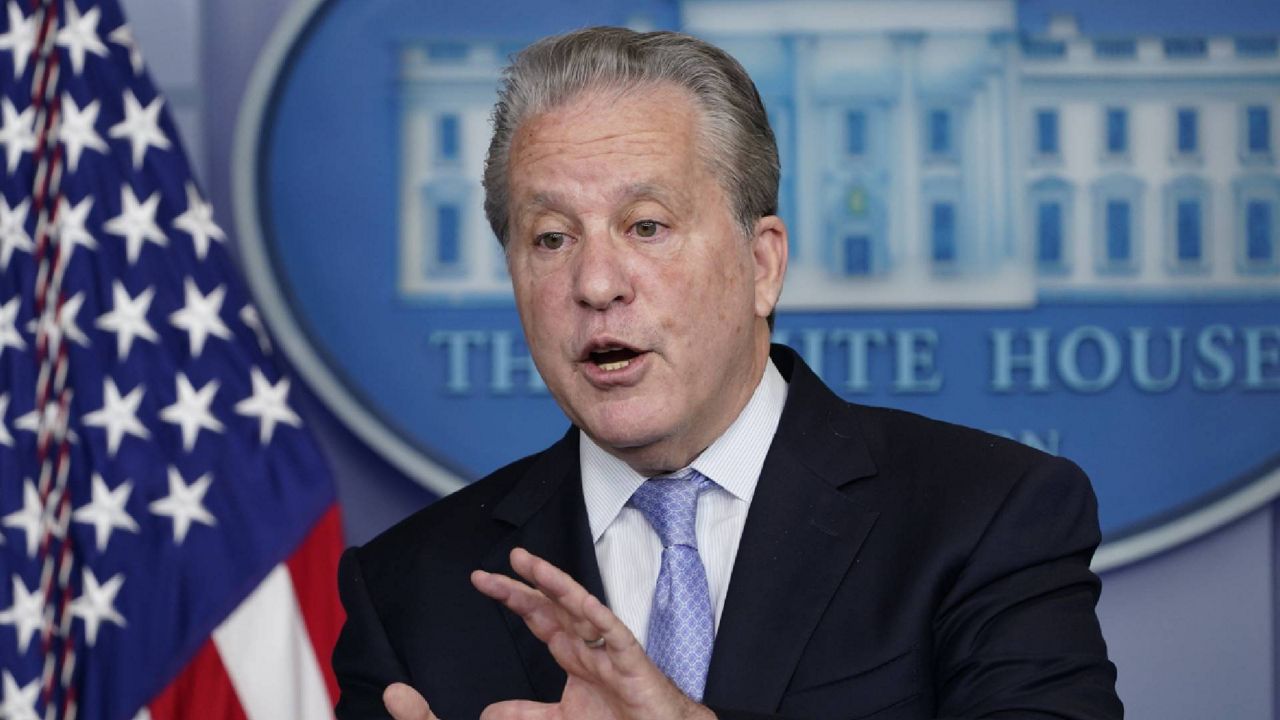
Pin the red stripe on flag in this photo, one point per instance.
(202, 690)
(313, 568)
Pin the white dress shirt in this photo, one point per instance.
(628, 550)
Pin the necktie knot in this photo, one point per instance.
(670, 504)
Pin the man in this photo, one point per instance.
(780, 551)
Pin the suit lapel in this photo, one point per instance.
(548, 518)
(801, 536)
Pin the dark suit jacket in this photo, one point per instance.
(891, 566)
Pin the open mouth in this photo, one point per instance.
(613, 359)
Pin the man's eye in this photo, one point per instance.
(551, 240)
(646, 228)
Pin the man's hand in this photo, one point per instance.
(610, 681)
(404, 703)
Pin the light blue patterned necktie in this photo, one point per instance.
(682, 625)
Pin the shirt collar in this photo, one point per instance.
(733, 461)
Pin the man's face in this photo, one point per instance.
(643, 304)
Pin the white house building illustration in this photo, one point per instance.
(932, 155)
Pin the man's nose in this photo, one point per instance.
(601, 272)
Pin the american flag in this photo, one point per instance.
(168, 532)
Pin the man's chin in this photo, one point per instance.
(620, 441)
(648, 453)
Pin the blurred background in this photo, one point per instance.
(1054, 219)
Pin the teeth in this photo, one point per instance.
(611, 366)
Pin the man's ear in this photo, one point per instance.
(769, 250)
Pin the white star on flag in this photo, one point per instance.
(61, 323)
(5, 437)
(197, 221)
(123, 36)
(185, 504)
(77, 131)
(118, 415)
(267, 403)
(70, 225)
(19, 702)
(200, 316)
(30, 519)
(128, 318)
(105, 512)
(136, 222)
(79, 34)
(17, 132)
(21, 40)
(9, 335)
(97, 603)
(13, 230)
(26, 614)
(191, 410)
(141, 125)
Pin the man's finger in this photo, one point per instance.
(404, 703)
(539, 613)
(519, 710)
(569, 597)
(591, 618)
(566, 592)
(551, 580)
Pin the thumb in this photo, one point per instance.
(404, 703)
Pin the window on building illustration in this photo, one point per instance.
(1188, 228)
(447, 51)
(448, 138)
(1117, 131)
(1258, 129)
(1047, 132)
(1186, 47)
(1259, 232)
(1119, 230)
(1049, 212)
(1256, 47)
(1049, 234)
(857, 254)
(855, 133)
(1188, 131)
(1186, 223)
(943, 232)
(1115, 49)
(1043, 48)
(939, 132)
(448, 235)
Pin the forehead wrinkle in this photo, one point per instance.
(556, 201)
(532, 149)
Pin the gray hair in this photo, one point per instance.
(737, 142)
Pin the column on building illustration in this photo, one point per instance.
(904, 220)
